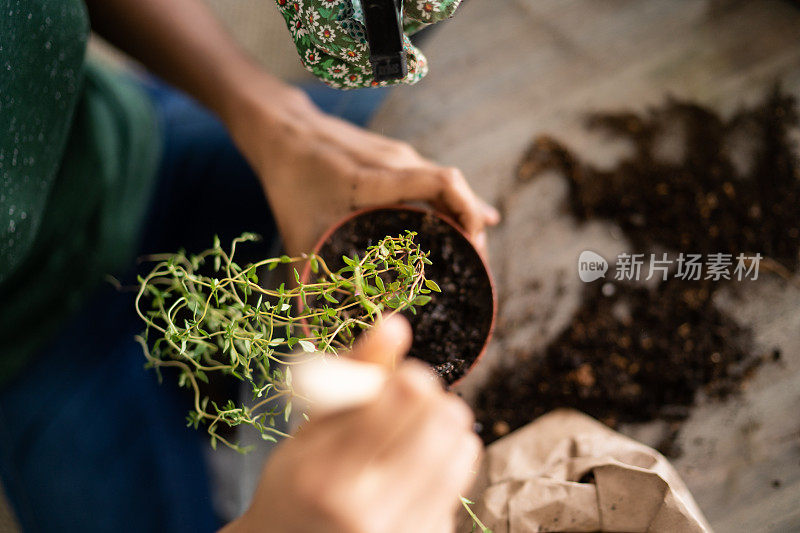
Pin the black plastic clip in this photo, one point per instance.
(384, 21)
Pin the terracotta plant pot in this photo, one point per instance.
(452, 331)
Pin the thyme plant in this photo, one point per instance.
(206, 314)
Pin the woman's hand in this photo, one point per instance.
(316, 168)
(394, 465)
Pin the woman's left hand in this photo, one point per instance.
(316, 168)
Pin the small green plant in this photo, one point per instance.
(206, 314)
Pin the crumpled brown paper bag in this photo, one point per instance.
(531, 481)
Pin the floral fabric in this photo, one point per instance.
(331, 38)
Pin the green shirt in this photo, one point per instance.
(79, 149)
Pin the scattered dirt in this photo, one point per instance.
(450, 330)
(694, 183)
(630, 354)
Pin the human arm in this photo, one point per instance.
(314, 168)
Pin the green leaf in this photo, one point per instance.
(330, 298)
(432, 285)
(421, 299)
(307, 346)
(369, 290)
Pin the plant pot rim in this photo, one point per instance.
(306, 273)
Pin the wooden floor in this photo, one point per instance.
(505, 70)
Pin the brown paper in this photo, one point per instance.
(567, 472)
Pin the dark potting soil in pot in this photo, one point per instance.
(451, 329)
(633, 354)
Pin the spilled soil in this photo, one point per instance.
(693, 182)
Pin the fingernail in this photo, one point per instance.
(492, 214)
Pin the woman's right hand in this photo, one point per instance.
(395, 465)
